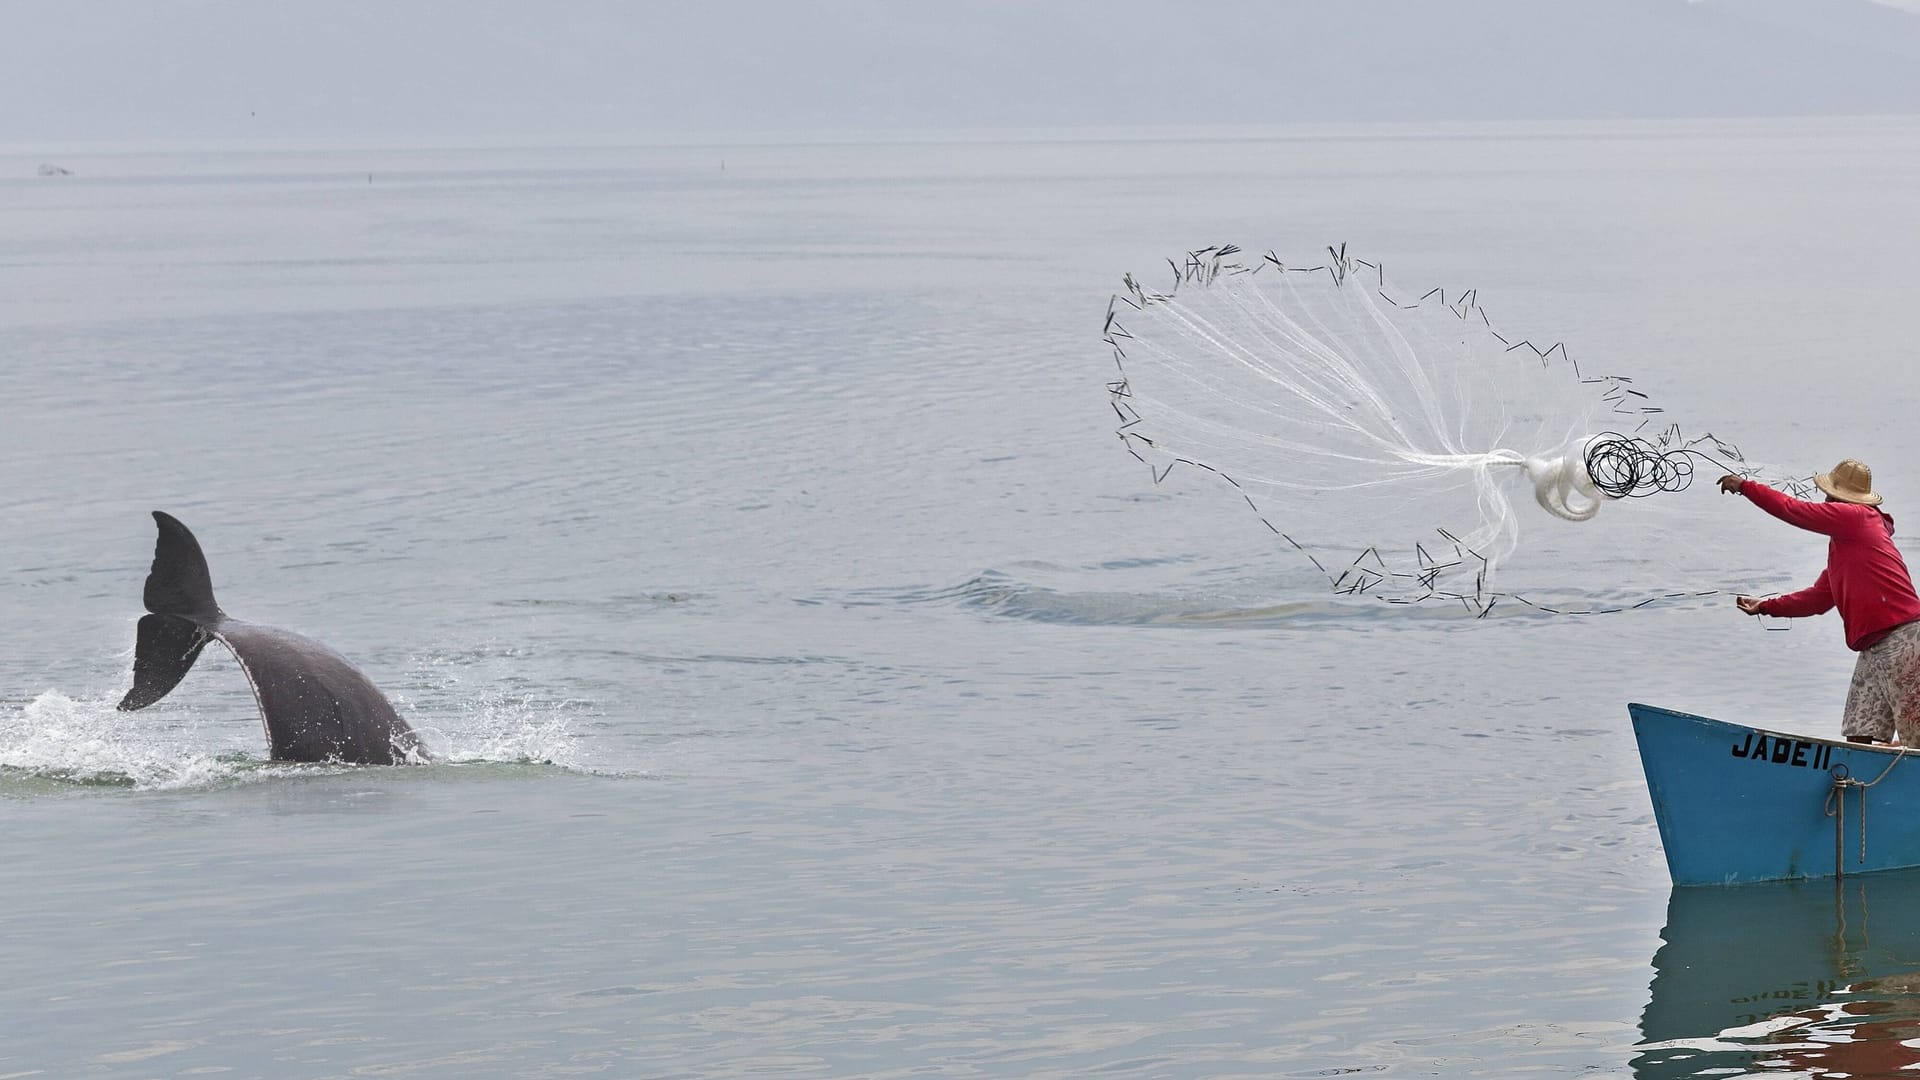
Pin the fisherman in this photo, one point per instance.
(1867, 580)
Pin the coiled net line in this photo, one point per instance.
(1622, 467)
(1641, 460)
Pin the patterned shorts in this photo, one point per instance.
(1885, 695)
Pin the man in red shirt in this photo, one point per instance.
(1867, 580)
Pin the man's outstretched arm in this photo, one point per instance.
(1822, 517)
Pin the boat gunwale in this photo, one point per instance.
(1877, 748)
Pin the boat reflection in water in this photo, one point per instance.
(1815, 978)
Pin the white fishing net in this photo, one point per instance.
(1385, 435)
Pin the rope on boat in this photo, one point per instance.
(1836, 807)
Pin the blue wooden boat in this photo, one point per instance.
(1738, 804)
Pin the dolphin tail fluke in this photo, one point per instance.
(163, 653)
(179, 583)
(180, 596)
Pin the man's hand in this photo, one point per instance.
(1748, 604)
(1730, 484)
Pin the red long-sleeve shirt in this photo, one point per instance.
(1865, 576)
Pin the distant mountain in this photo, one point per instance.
(298, 68)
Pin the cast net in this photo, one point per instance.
(1401, 442)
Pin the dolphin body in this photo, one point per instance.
(316, 705)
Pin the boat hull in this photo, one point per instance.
(1738, 804)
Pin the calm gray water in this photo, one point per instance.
(821, 690)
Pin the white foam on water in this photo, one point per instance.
(86, 741)
(57, 742)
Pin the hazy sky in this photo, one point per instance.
(94, 69)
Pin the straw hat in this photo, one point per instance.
(1850, 481)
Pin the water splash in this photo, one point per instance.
(506, 729)
(473, 704)
(87, 742)
(58, 743)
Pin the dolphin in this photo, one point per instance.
(316, 706)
